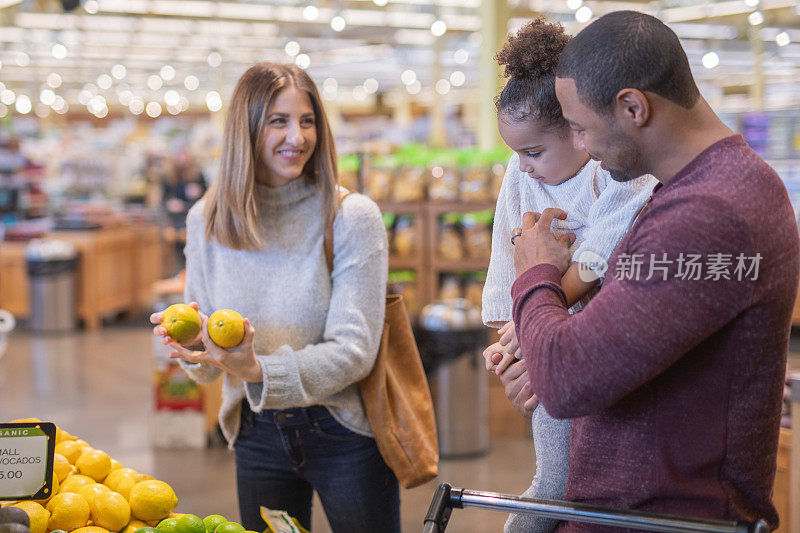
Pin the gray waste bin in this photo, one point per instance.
(451, 339)
(51, 271)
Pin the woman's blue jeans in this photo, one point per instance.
(283, 455)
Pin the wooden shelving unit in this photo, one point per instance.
(425, 261)
(504, 420)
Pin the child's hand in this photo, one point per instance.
(502, 361)
(508, 339)
(501, 354)
(489, 353)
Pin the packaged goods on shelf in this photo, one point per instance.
(478, 234)
(409, 185)
(411, 177)
(468, 285)
(415, 173)
(475, 176)
(474, 186)
(498, 172)
(404, 282)
(445, 180)
(404, 239)
(349, 167)
(465, 236)
(449, 287)
(378, 181)
(473, 288)
(402, 235)
(449, 243)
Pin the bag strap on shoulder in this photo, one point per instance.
(327, 242)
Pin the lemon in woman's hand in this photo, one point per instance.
(182, 322)
(226, 328)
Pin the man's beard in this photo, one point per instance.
(629, 158)
(622, 175)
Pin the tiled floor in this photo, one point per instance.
(97, 385)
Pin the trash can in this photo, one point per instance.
(451, 339)
(51, 271)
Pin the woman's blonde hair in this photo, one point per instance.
(231, 211)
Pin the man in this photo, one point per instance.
(674, 371)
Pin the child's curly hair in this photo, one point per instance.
(530, 57)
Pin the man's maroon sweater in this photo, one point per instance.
(675, 383)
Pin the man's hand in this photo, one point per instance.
(537, 245)
(518, 389)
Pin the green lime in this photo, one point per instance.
(229, 527)
(212, 521)
(190, 523)
(147, 530)
(167, 525)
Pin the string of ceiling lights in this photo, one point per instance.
(45, 53)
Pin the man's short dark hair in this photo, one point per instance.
(627, 49)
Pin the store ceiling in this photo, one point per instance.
(216, 41)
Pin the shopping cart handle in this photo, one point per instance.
(439, 510)
(447, 498)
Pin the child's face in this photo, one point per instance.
(289, 138)
(546, 155)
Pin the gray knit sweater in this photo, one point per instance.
(317, 334)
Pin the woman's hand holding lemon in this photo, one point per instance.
(179, 323)
(239, 360)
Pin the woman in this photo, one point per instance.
(291, 406)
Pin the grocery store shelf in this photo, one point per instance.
(458, 207)
(405, 263)
(444, 265)
(400, 207)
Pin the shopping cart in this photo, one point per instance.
(448, 498)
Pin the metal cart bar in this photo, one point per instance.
(448, 498)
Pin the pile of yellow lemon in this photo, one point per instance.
(93, 493)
